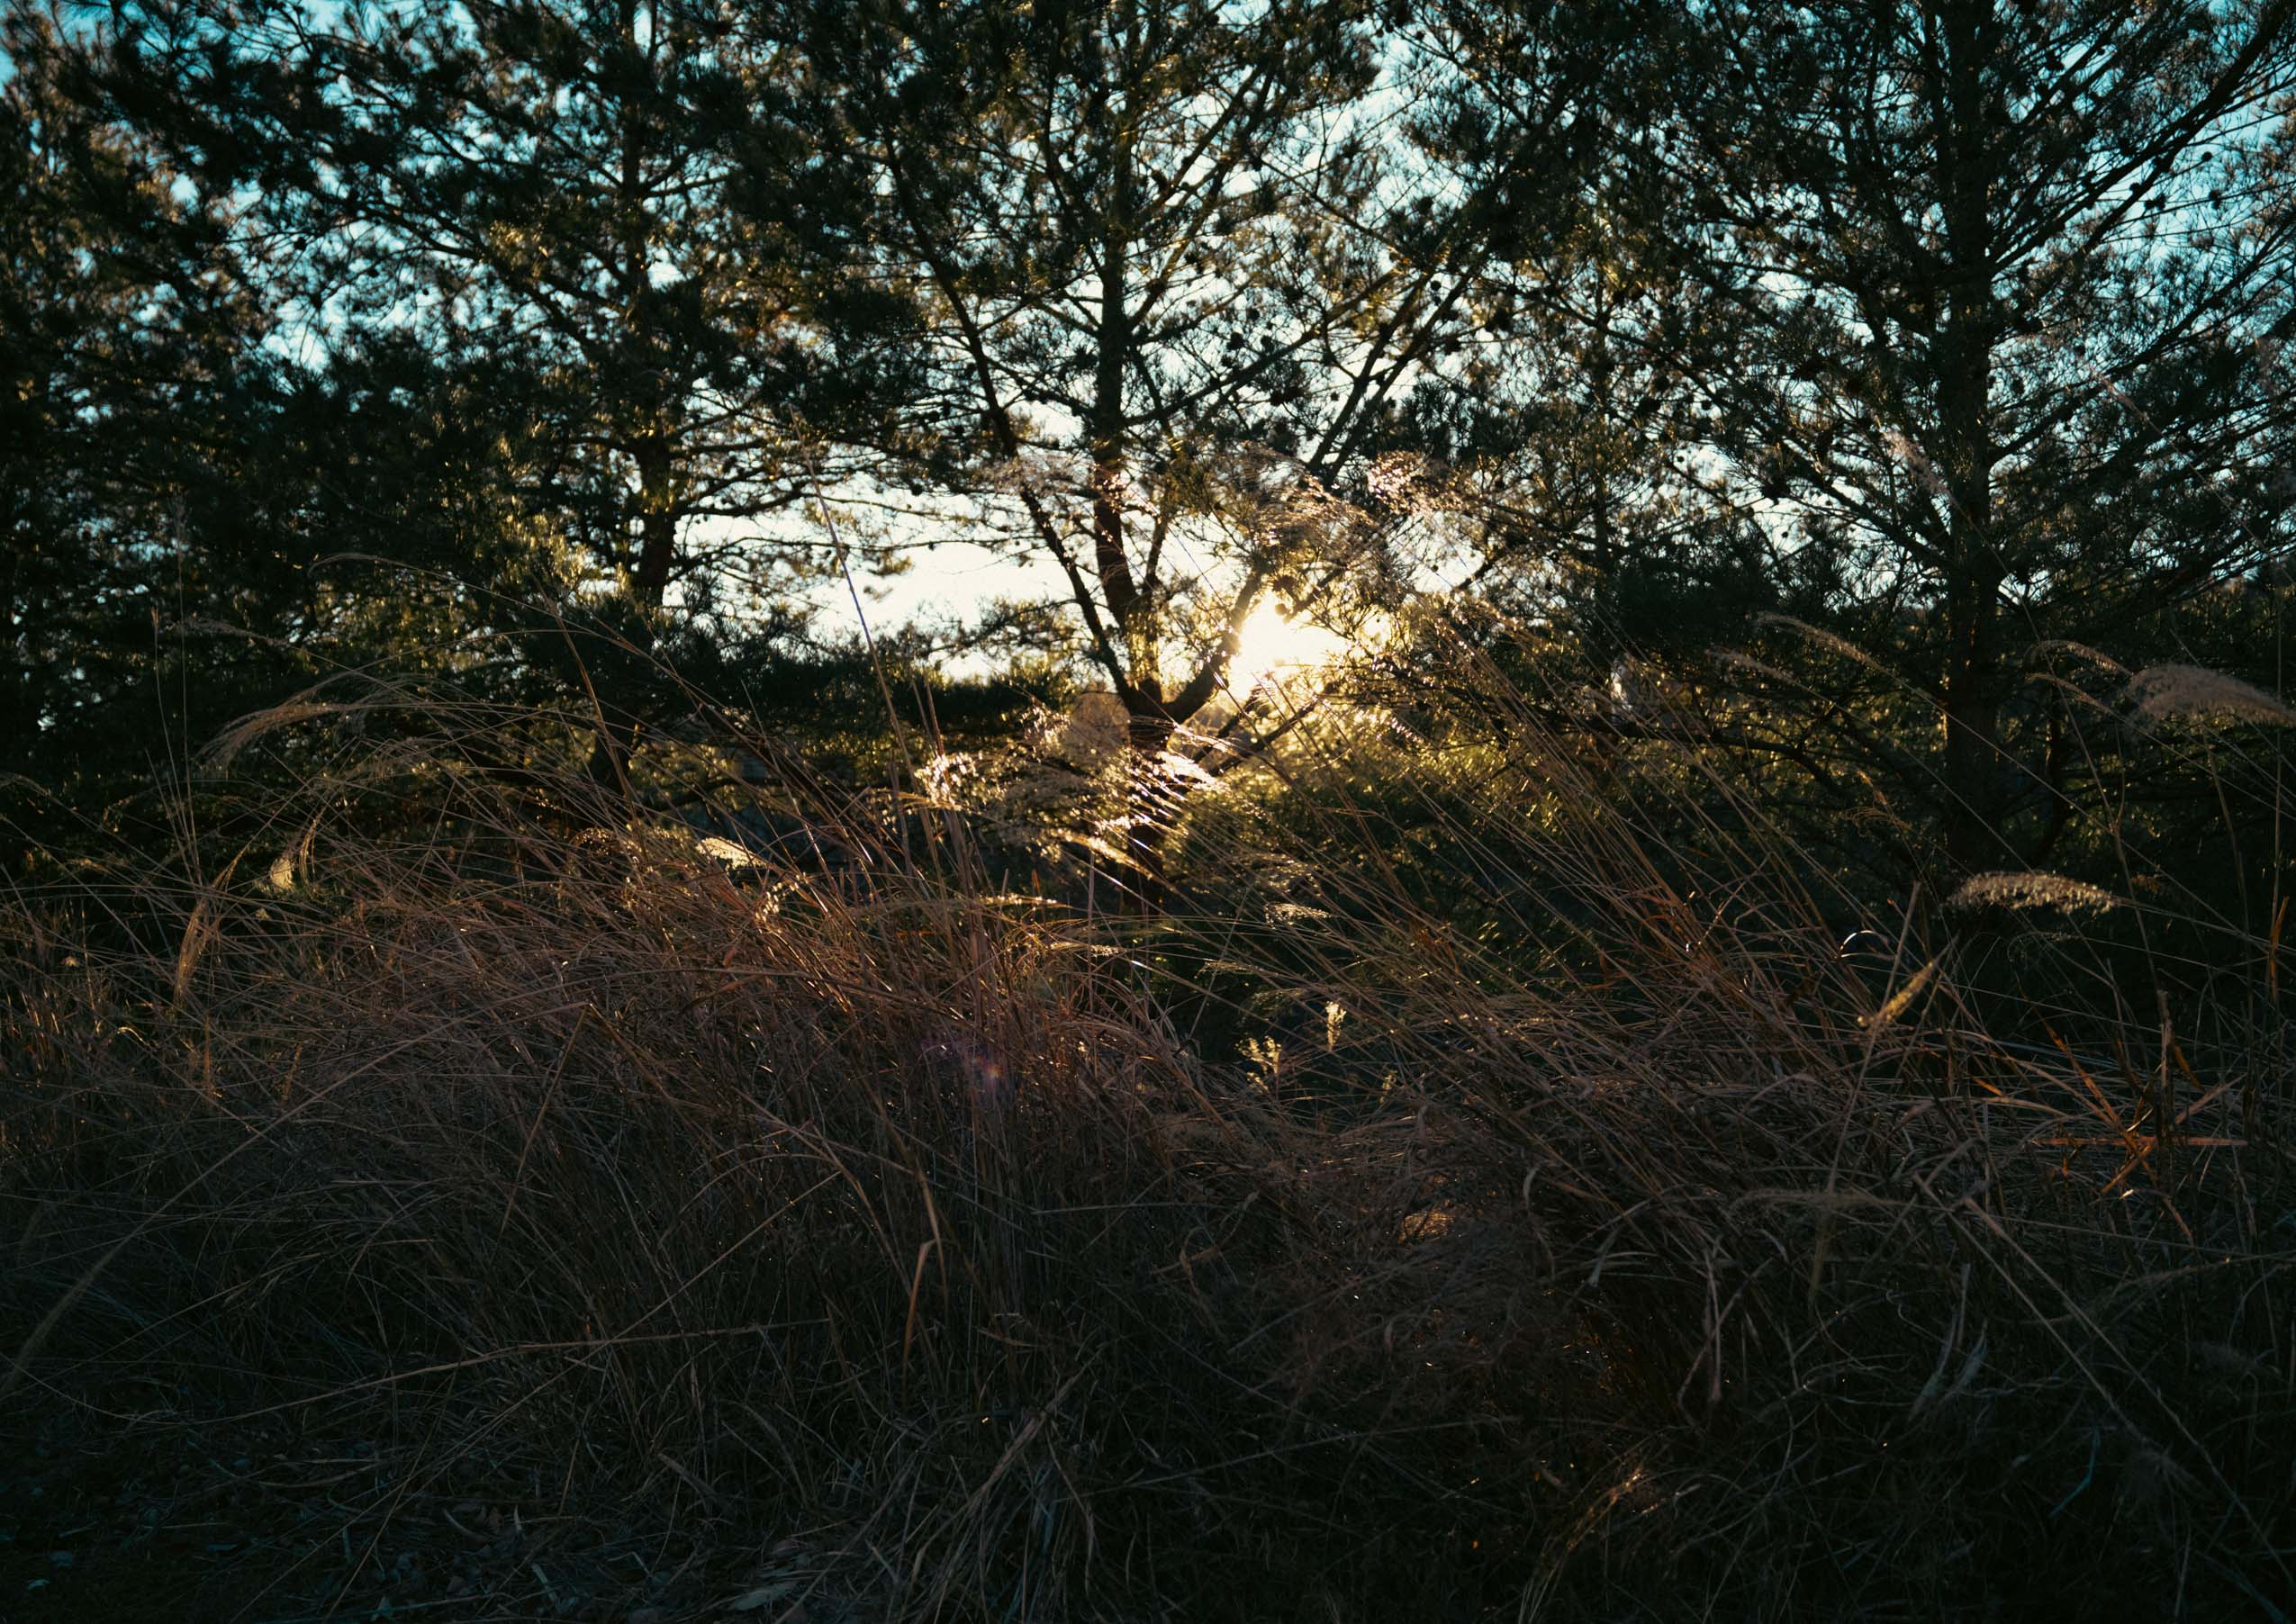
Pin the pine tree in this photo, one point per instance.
(2004, 310)
(1187, 278)
(617, 211)
(132, 389)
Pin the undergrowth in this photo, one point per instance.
(767, 1182)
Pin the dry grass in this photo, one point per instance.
(853, 1240)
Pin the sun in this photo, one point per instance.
(1272, 646)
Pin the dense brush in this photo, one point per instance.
(898, 1247)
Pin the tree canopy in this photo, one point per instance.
(1867, 379)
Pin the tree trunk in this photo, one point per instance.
(657, 549)
(1975, 686)
(1974, 778)
(1112, 345)
(648, 585)
(1151, 806)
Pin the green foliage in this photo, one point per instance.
(2002, 338)
(150, 521)
(1179, 281)
(618, 215)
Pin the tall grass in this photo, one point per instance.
(1460, 1202)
